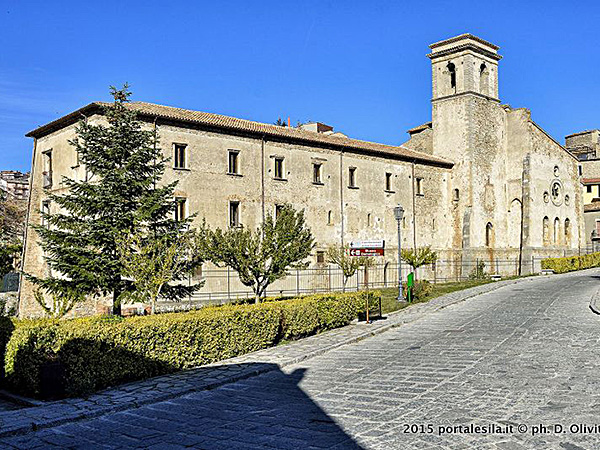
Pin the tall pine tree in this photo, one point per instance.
(121, 195)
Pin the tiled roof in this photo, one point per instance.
(590, 180)
(420, 128)
(217, 121)
(594, 206)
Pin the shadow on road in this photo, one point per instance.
(266, 411)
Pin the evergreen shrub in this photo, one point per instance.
(93, 353)
(571, 263)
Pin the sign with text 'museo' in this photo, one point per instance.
(367, 248)
(366, 252)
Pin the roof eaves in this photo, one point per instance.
(66, 120)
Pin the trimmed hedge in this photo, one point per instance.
(571, 263)
(51, 358)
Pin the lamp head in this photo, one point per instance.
(399, 212)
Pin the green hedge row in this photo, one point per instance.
(79, 356)
(570, 263)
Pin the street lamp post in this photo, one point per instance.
(399, 214)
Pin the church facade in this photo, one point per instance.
(480, 181)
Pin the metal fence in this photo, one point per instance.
(222, 285)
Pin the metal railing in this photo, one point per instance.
(222, 285)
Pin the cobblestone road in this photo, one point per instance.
(523, 356)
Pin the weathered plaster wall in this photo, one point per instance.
(366, 209)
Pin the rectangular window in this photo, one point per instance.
(419, 186)
(45, 212)
(352, 177)
(388, 181)
(180, 208)
(279, 168)
(233, 162)
(579, 169)
(180, 156)
(320, 256)
(317, 173)
(278, 209)
(47, 174)
(234, 214)
(589, 188)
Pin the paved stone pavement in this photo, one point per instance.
(521, 357)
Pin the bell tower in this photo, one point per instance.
(468, 125)
(464, 64)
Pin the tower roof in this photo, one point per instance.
(462, 42)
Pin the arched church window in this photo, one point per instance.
(567, 232)
(556, 237)
(546, 230)
(456, 195)
(452, 71)
(489, 234)
(483, 79)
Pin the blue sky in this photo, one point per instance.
(357, 65)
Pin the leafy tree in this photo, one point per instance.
(419, 257)
(340, 256)
(8, 255)
(12, 225)
(280, 122)
(121, 193)
(262, 256)
(12, 219)
(479, 272)
(152, 261)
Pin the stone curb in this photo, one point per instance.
(594, 303)
(56, 413)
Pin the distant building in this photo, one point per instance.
(585, 145)
(15, 184)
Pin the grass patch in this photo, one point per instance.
(389, 296)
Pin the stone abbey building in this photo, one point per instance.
(480, 181)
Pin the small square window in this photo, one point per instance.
(352, 177)
(279, 168)
(317, 173)
(179, 156)
(589, 188)
(388, 181)
(234, 214)
(320, 257)
(233, 162)
(180, 208)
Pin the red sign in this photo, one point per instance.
(366, 252)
